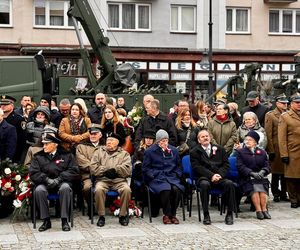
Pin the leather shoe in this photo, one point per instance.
(284, 198)
(206, 220)
(101, 221)
(166, 220)
(266, 215)
(174, 220)
(45, 226)
(229, 219)
(276, 199)
(123, 220)
(259, 215)
(65, 225)
(294, 205)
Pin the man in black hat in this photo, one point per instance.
(53, 170)
(277, 167)
(84, 153)
(111, 165)
(7, 105)
(256, 107)
(8, 138)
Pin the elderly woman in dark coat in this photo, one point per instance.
(162, 173)
(253, 166)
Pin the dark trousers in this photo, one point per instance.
(276, 178)
(293, 188)
(224, 184)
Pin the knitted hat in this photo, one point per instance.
(161, 134)
(47, 97)
(43, 109)
(254, 135)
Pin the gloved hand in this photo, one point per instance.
(111, 173)
(255, 175)
(285, 160)
(262, 173)
(271, 156)
(51, 183)
(57, 181)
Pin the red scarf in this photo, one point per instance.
(222, 118)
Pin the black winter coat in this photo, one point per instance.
(109, 128)
(95, 114)
(205, 167)
(62, 165)
(161, 121)
(8, 140)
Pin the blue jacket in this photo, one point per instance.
(160, 170)
(8, 140)
(248, 162)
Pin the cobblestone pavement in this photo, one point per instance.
(281, 232)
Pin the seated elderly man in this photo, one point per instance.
(53, 170)
(84, 153)
(210, 166)
(111, 165)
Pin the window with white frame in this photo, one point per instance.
(284, 21)
(237, 20)
(183, 18)
(5, 13)
(129, 16)
(52, 14)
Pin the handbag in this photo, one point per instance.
(184, 147)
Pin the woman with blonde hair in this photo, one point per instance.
(185, 126)
(111, 123)
(73, 129)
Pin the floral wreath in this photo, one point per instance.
(133, 210)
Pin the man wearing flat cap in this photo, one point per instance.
(53, 171)
(289, 148)
(7, 105)
(255, 106)
(277, 167)
(84, 153)
(111, 165)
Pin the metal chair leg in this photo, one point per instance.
(34, 210)
(183, 210)
(198, 205)
(92, 207)
(71, 209)
(149, 205)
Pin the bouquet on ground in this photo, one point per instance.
(133, 210)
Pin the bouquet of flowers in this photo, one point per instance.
(135, 115)
(14, 182)
(133, 210)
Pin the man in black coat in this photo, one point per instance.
(7, 105)
(8, 138)
(210, 166)
(53, 170)
(95, 113)
(24, 101)
(155, 120)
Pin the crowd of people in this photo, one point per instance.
(70, 145)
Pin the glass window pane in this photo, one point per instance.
(241, 20)
(298, 21)
(56, 13)
(40, 12)
(4, 11)
(229, 20)
(143, 22)
(113, 16)
(274, 21)
(287, 21)
(187, 19)
(174, 18)
(128, 16)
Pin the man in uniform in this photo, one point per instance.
(289, 147)
(84, 153)
(95, 113)
(8, 138)
(7, 105)
(53, 170)
(111, 165)
(277, 167)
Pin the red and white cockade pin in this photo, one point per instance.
(214, 149)
(258, 151)
(59, 161)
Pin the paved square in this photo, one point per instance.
(49, 236)
(288, 223)
(8, 239)
(121, 232)
(6, 229)
(237, 226)
(186, 228)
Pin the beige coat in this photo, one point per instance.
(102, 160)
(289, 142)
(66, 135)
(84, 154)
(271, 127)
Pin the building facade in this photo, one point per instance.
(164, 40)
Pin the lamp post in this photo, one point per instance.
(209, 54)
